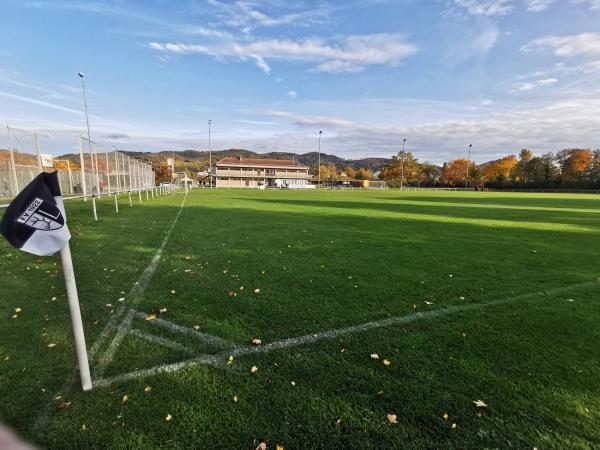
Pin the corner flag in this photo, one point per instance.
(35, 222)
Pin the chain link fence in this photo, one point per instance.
(95, 171)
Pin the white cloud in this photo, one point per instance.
(245, 16)
(592, 4)
(538, 5)
(584, 44)
(486, 8)
(292, 94)
(351, 54)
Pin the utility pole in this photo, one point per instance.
(319, 169)
(209, 155)
(402, 165)
(468, 164)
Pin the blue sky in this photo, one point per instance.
(499, 74)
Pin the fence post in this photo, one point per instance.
(13, 169)
(82, 165)
(107, 170)
(94, 206)
(37, 150)
(116, 203)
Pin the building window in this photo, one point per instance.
(270, 172)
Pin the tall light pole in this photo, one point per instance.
(402, 165)
(87, 118)
(319, 168)
(209, 155)
(468, 164)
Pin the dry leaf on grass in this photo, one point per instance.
(445, 417)
(232, 294)
(173, 291)
(428, 302)
(480, 404)
(392, 418)
(256, 341)
(18, 310)
(254, 369)
(65, 405)
(162, 310)
(168, 417)
(150, 317)
(125, 398)
(262, 446)
(387, 362)
(374, 356)
(230, 359)
(148, 389)
(256, 291)
(51, 345)
(196, 327)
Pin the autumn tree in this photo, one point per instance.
(455, 171)
(329, 173)
(364, 174)
(350, 172)
(162, 171)
(403, 167)
(525, 156)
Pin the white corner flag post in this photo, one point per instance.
(35, 222)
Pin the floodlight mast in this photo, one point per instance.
(402, 165)
(319, 169)
(468, 164)
(87, 118)
(209, 155)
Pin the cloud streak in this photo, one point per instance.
(350, 54)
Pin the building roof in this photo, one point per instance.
(260, 162)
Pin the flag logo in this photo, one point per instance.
(42, 215)
(35, 221)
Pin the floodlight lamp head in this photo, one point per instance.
(81, 75)
(320, 131)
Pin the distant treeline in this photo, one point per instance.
(566, 169)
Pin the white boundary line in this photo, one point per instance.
(221, 358)
(160, 341)
(203, 337)
(135, 295)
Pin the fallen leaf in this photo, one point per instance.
(173, 291)
(262, 446)
(125, 398)
(51, 345)
(445, 417)
(235, 398)
(196, 327)
(121, 299)
(109, 305)
(15, 316)
(387, 362)
(187, 270)
(151, 317)
(280, 447)
(480, 403)
(256, 341)
(293, 383)
(453, 426)
(230, 359)
(256, 291)
(254, 369)
(65, 405)
(188, 257)
(169, 417)
(148, 389)
(569, 300)
(374, 356)
(428, 302)
(162, 310)
(232, 294)
(392, 418)
(414, 306)
(18, 310)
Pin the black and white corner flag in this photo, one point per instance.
(35, 220)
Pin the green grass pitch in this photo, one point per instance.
(484, 296)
